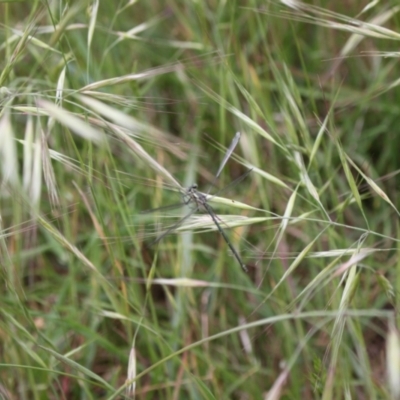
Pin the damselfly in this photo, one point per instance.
(200, 202)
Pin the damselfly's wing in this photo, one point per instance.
(173, 227)
(227, 155)
(164, 208)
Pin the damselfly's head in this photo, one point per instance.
(190, 194)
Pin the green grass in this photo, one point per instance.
(103, 110)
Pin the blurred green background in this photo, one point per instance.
(105, 106)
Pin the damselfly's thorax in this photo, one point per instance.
(195, 198)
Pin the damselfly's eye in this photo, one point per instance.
(194, 186)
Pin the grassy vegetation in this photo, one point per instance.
(105, 106)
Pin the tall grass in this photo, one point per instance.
(110, 109)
